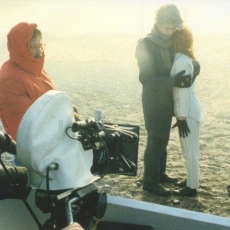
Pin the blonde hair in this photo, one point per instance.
(182, 42)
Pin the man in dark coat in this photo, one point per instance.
(155, 58)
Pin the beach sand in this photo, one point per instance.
(113, 86)
(106, 78)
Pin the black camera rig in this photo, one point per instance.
(115, 151)
(115, 147)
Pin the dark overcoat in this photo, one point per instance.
(157, 84)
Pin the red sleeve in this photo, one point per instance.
(14, 102)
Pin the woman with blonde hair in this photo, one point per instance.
(187, 111)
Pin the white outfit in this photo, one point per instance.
(187, 105)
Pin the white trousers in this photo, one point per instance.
(190, 150)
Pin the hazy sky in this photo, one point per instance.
(63, 21)
(111, 16)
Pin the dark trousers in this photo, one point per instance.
(155, 158)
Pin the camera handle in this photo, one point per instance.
(68, 208)
(91, 204)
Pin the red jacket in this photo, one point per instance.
(22, 78)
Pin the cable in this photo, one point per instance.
(66, 131)
(53, 166)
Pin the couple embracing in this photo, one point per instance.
(167, 71)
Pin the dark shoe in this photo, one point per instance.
(228, 188)
(181, 184)
(158, 190)
(186, 191)
(166, 179)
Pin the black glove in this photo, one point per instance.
(183, 128)
(182, 81)
(196, 72)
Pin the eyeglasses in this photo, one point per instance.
(38, 46)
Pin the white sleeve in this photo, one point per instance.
(185, 94)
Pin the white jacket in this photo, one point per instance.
(184, 99)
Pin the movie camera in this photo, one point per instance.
(115, 150)
(64, 158)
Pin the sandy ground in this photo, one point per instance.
(118, 94)
(111, 84)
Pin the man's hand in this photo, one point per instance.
(76, 114)
(183, 128)
(182, 81)
(73, 226)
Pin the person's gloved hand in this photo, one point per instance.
(183, 128)
(196, 72)
(182, 81)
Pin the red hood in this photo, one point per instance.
(19, 48)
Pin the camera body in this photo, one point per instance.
(115, 147)
(64, 158)
(112, 145)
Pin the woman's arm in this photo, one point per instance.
(184, 94)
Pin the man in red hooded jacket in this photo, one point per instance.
(22, 77)
(23, 80)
